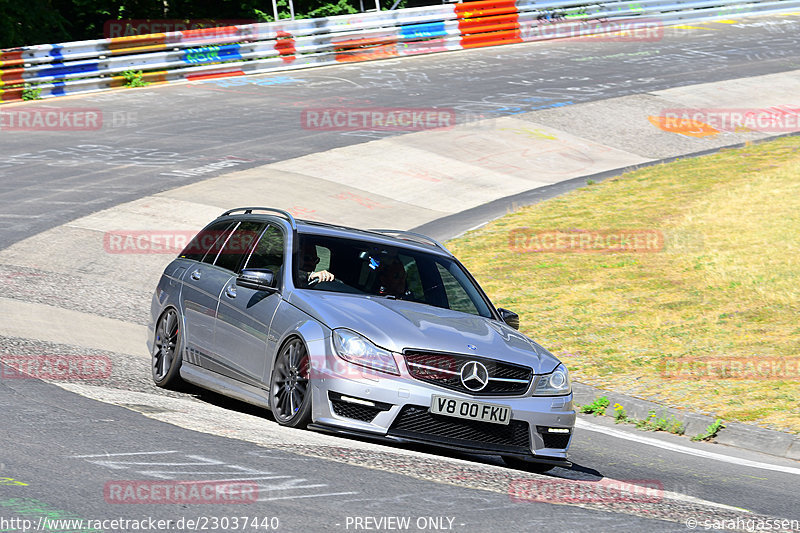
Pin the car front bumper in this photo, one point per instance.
(351, 399)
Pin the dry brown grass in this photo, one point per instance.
(726, 284)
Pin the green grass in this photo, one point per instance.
(655, 423)
(711, 431)
(725, 284)
(134, 78)
(597, 407)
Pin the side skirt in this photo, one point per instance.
(218, 383)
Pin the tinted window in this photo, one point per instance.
(238, 245)
(390, 271)
(206, 240)
(213, 252)
(457, 297)
(268, 253)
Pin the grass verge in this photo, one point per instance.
(707, 318)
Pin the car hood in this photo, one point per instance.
(397, 325)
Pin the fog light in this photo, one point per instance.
(357, 400)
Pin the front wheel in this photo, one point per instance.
(166, 361)
(290, 391)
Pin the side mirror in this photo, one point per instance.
(260, 279)
(509, 317)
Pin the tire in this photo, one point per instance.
(166, 357)
(289, 390)
(528, 466)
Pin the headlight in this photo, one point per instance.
(556, 383)
(355, 349)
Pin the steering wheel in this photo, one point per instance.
(316, 281)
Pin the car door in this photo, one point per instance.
(245, 314)
(202, 284)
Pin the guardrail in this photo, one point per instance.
(87, 66)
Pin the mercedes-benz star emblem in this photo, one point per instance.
(474, 376)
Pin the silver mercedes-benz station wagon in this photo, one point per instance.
(373, 333)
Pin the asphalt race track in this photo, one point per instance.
(154, 133)
(65, 445)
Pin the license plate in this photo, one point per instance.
(471, 410)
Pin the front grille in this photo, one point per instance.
(416, 422)
(444, 370)
(554, 440)
(356, 411)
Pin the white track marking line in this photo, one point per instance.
(699, 501)
(582, 424)
(124, 453)
(305, 496)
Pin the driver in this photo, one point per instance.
(308, 262)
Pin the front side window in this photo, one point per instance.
(392, 272)
(268, 253)
(238, 245)
(457, 296)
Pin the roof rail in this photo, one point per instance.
(248, 210)
(419, 237)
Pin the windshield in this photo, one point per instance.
(362, 267)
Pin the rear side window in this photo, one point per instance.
(238, 245)
(207, 240)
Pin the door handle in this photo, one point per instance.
(230, 291)
(196, 275)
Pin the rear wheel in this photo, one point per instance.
(528, 466)
(166, 361)
(290, 392)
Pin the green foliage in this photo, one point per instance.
(32, 22)
(31, 92)
(342, 7)
(284, 13)
(597, 407)
(619, 414)
(134, 78)
(711, 431)
(261, 16)
(52, 21)
(655, 423)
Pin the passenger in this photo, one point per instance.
(392, 278)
